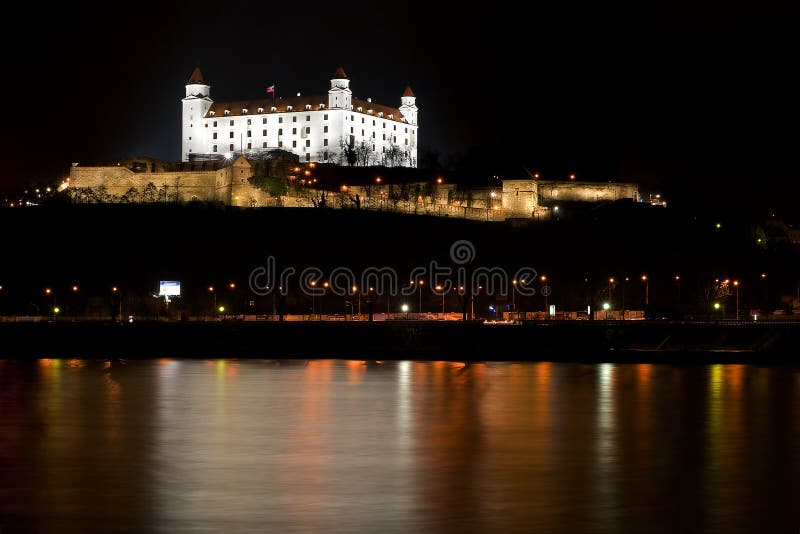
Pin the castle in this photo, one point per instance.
(330, 128)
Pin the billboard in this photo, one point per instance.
(169, 289)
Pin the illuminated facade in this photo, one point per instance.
(332, 128)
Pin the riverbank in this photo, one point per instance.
(665, 342)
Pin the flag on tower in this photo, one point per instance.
(271, 89)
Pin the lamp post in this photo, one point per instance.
(419, 289)
(440, 288)
(646, 291)
(736, 285)
(611, 281)
(115, 293)
(544, 294)
(513, 295)
(313, 299)
(214, 295)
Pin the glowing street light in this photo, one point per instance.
(221, 309)
(606, 306)
(646, 290)
(232, 285)
(736, 285)
(75, 289)
(48, 291)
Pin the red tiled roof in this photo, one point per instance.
(298, 103)
(339, 74)
(196, 77)
(408, 91)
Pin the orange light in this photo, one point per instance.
(114, 289)
(75, 289)
(571, 176)
(438, 180)
(48, 291)
(544, 278)
(378, 180)
(644, 278)
(611, 280)
(210, 289)
(232, 285)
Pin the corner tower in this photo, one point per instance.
(195, 106)
(340, 96)
(408, 106)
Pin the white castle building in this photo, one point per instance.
(316, 128)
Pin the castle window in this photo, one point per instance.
(190, 138)
(294, 131)
(362, 120)
(325, 142)
(405, 142)
(370, 111)
(308, 106)
(280, 144)
(273, 109)
(249, 145)
(351, 129)
(280, 120)
(261, 110)
(325, 154)
(231, 147)
(264, 120)
(359, 109)
(227, 112)
(308, 118)
(215, 148)
(294, 144)
(394, 127)
(264, 133)
(384, 124)
(308, 129)
(325, 129)
(249, 122)
(244, 111)
(352, 117)
(362, 133)
(215, 135)
(325, 117)
(288, 108)
(249, 133)
(384, 137)
(231, 122)
(212, 113)
(215, 124)
(322, 106)
(230, 135)
(373, 122)
(373, 135)
(391, 116)
(308, 142)
(380, 114)
(264, 144)
(406, 130)
(280, 131)
(308, 157)
(294, 119)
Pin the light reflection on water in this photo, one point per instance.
(330, 445)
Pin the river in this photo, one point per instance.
(167, 445)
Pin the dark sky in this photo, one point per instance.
(701, 94)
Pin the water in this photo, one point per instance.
(349, 446)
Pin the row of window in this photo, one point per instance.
(264, 120)
(308, 119)
(280, 145)
(280, 132)
(273, 109)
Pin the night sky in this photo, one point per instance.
(702, 95)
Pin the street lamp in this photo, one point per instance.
(440, 288)
(611, 281)
(313, 299)
(419, 289)
(213, 294)
(646, 290)
(543, 279)
(404, 307)
(513, 295)
(736, 285)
